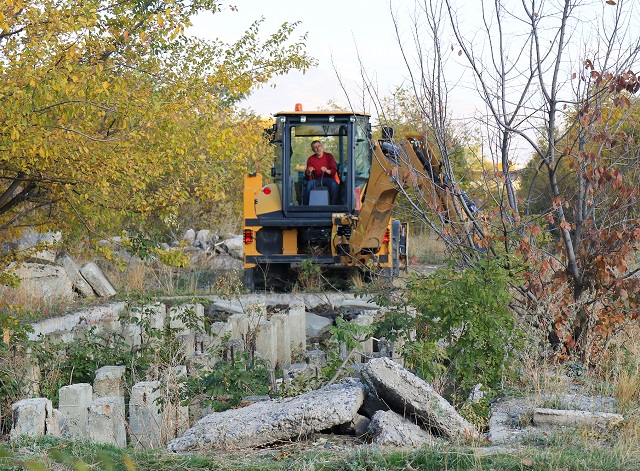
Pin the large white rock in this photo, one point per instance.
(266, 422)
(414, 398)
(234, 246)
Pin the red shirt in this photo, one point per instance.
(327, 160)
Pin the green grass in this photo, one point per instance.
(547, 454)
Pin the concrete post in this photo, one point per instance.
(74, 401)
(109, 381)
(297, 328)
(98, 281)
(175, 418)
(266, 342)
(30, 417)
(145, 417)
(106, 421)
(283, 340)
(239, 324)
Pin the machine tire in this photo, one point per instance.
(249, 279)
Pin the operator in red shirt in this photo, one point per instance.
(321, 171)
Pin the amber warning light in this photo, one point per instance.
(298, 106)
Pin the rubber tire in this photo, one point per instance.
(249, 279)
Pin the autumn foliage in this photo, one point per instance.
(110, 114)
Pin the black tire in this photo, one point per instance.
(249, 279)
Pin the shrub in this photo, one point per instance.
(462, 330)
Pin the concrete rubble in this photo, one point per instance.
(390, 429)
(413, 397)
(387, 406)
(266, 422)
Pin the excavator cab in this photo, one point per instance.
(344, 135)
(286, 221)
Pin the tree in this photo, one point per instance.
(563, 93)
(110, 113)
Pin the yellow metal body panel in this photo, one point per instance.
(290, 242)
(268, 203)
(252, 185)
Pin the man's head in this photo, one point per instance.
(316, 147)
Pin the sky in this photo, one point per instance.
(339, 32)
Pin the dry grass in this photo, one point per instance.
(427, 248)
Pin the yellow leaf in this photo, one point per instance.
(105, 85)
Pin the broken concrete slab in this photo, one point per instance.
(316, 325)
(574, 418)
(72, 268)
(266, 422)
(98, 281)
(390, 429)
(413, 397)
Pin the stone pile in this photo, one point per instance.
(50, 274)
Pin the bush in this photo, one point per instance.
(462, 331)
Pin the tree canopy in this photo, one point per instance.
(108, 110)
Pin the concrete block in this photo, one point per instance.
(98, 281)
(106, 421)
(154, 314)
(132, 334)
(187, 343)
(109, 381)
(282, 341)
(145, 416)
(44, 281)
(73, 273)
(58, 425)
(74, 401)
(316, 325)
(297, 327)
(30, 417)
(266, 342)
(239, 324)
(574, 418)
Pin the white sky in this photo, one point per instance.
(338, 30)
